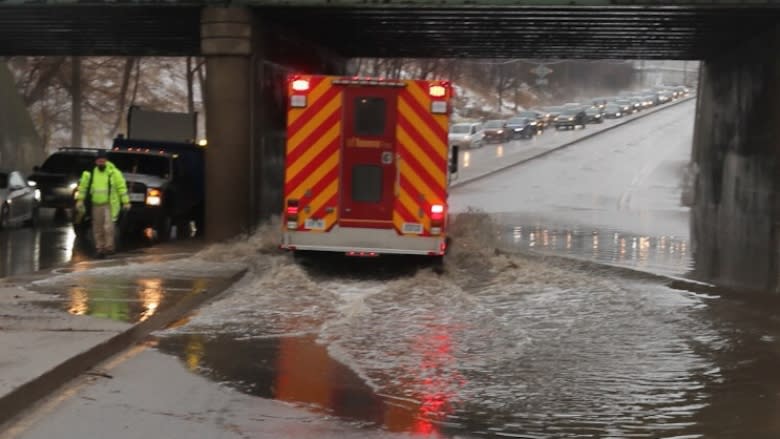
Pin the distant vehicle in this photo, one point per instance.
(594, 115)
(626, 106)
(570, 119)
(466, 135)
(58, 177)
(613, 111)
(496, 131)
(551, 114)
(538, 120)
(165, 182)
(18, 200)
(600, 103)
(521, 127)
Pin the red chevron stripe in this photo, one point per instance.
(329, 150)
(313, 109)
(312, 138)
(437, 159)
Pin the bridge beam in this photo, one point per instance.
(736, 216)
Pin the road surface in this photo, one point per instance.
(501, 345)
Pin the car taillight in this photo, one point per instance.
(292, 214)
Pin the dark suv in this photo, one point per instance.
(58, 177)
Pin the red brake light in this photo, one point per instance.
(437, 212)
(300, 85)
(437, 91)
(292, 210)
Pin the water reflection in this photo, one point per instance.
(662, 254)
(126, 300)
(24, 250)
(299, 370)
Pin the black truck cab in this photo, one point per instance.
(165, 183)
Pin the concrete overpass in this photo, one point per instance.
(251, 45)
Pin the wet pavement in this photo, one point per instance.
(622, 187)
(514, 345)
(26, 250)
(506, 343)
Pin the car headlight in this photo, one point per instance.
(153, 197)
(500, 131)
(38, 195)
(617, 114)
(32, 183)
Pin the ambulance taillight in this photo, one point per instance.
(437, 218)
(291, 214)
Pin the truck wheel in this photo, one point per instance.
(163, 228)
(183, 230)
(5, 217)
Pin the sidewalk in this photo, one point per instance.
(63, 324)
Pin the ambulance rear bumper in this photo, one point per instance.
(357, 240)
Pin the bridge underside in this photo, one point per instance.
(585, 32)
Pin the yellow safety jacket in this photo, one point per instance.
(108, 187)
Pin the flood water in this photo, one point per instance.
(499, 346)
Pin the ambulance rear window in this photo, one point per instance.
(370, 116)
(367, 183)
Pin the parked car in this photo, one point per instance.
(594, 115)
(521, 127)
(571, 118)
(58, 177)
(496, 131)
(613, 111)
(18, 200)
(467, 135)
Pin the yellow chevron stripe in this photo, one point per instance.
(312, 97)
(436, 174)
(315, 177)
(323, 142)
(412, 207)
(398, 220)
(297, 138)
(409, 114)
(319, 201)
(422, 97)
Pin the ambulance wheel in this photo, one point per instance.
(437, 264)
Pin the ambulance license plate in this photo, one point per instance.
(315, 224)
(138, 198)
(415, 228)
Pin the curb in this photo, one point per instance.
(568, 144)
(27, 395)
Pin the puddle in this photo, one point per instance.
(125, 300)
(300, 371)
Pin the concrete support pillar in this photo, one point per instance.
(226, 42)
(735, 220)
